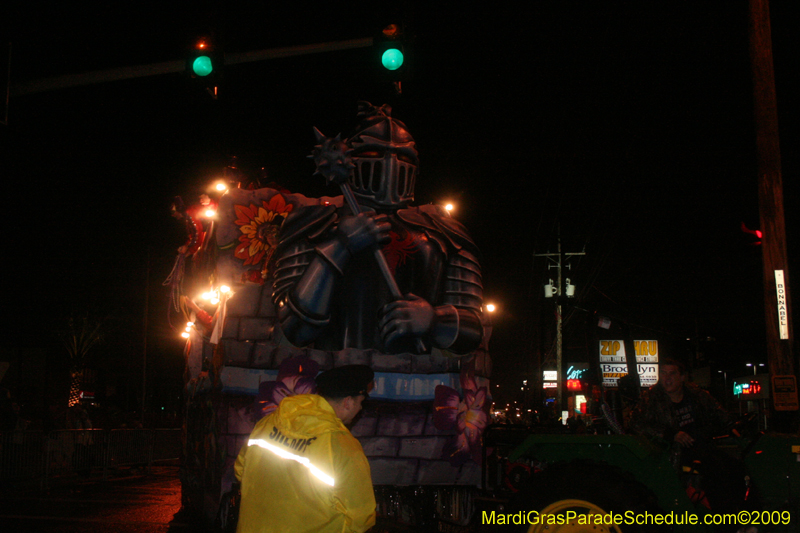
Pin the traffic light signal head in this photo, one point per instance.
(755, 240)
(392, 53)
(204, 63)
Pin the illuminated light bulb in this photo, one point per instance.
(491, 308)
(185, 335)
(210, 213)
(392, 59)
(449, 207)
(214, 300)
(202, 65)
(189, 324)
(206, 296)
(222, 187)
(224, 289)
(188, 328)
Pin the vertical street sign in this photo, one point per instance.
(783, 313)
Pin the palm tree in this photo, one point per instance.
(81, 335)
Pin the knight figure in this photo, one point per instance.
(328, 287)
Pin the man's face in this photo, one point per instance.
(352, 408)
(671, 379)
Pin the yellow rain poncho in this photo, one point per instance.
(302, 471)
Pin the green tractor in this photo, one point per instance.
(546, 480)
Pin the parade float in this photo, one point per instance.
(273, 287)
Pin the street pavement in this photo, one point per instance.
(129, 502)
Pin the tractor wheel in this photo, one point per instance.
(579, 493)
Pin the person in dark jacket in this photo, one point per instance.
(678, 411)
(688, 418)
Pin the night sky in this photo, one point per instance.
(625, 127)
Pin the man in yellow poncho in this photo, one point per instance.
(302, 470)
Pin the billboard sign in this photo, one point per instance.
(614, 366)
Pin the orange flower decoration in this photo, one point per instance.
(259, 226)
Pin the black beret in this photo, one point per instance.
(343, 381)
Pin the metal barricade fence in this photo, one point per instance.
(73, 450)
(22, 455)
(39, 456)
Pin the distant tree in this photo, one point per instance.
(81, 334)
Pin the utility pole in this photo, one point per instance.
(557, 262)
(144, 333)
(5, 80)
(777, 303)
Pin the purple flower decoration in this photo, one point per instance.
(469, 416)
(295, 376)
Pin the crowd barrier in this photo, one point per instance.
(31, 456)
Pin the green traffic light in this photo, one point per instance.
(202, 66)
(392, 59)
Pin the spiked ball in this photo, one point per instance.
(332, 157)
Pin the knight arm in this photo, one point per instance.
(309, 268)
(454, 324)
(458, 327)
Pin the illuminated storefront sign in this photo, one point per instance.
(576, 371)
(614, 366)
(580, 403)
(751, 388)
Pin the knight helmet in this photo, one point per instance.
(385, 159)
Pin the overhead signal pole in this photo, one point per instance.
(168, 67)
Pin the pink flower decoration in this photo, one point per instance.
(467, 415)
(296, 376)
